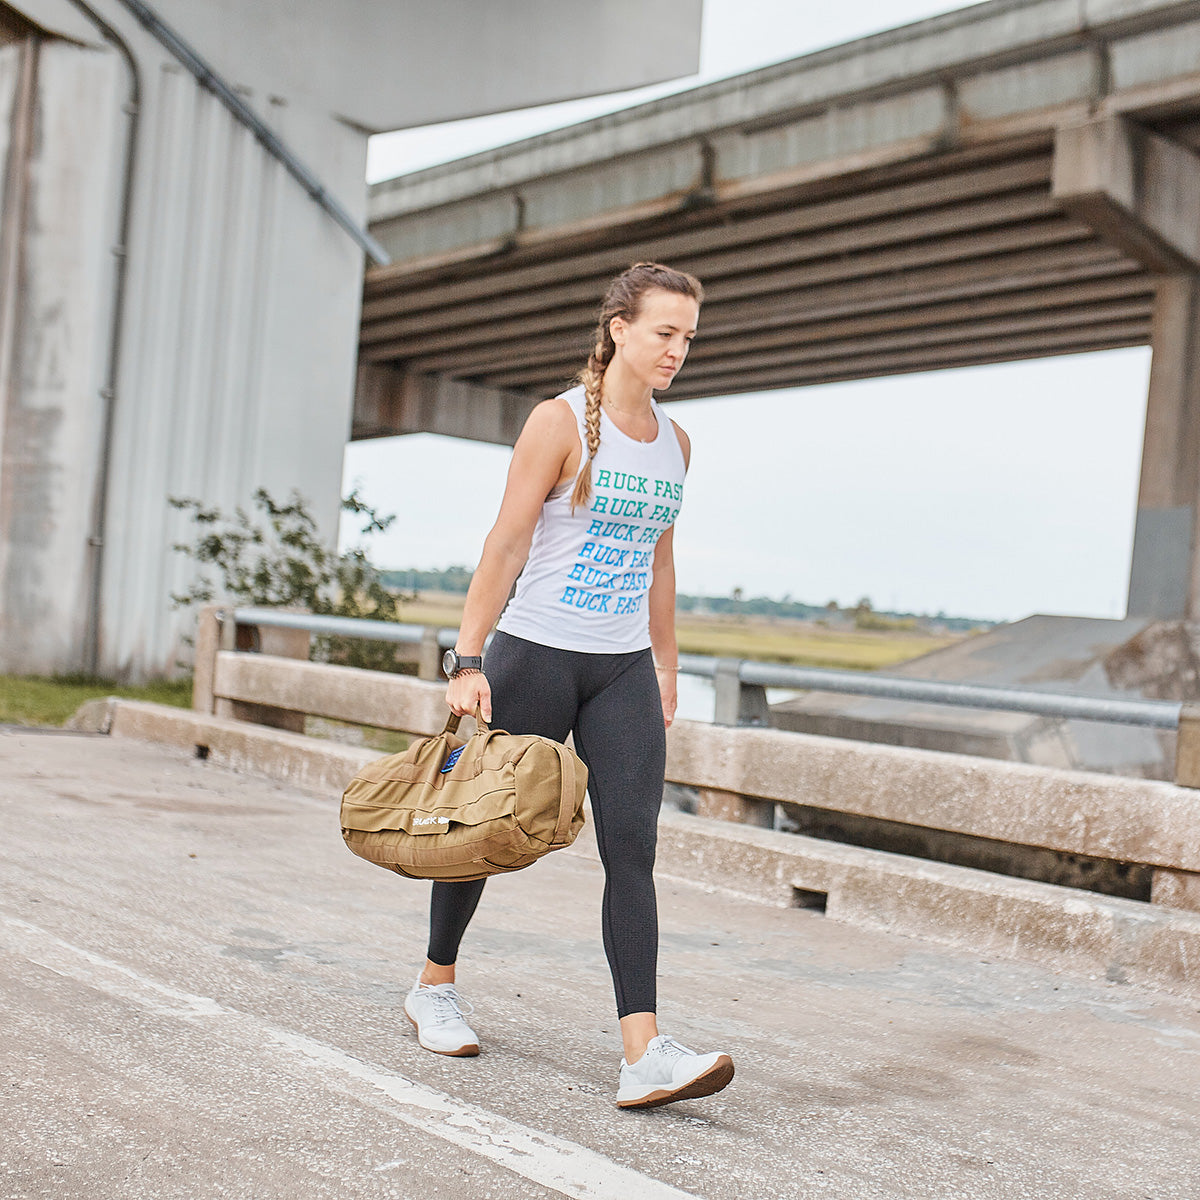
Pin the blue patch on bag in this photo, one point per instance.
(449, 765)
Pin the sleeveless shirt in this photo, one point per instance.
(586, 583)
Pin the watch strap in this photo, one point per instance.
(466, 662)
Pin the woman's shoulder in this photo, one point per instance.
(555, 415)
(551, 427)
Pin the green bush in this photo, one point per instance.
(277, 559)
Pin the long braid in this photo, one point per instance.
(592, 378)
(623, 299)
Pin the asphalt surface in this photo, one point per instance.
(201, 996)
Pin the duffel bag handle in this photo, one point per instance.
(453, 720)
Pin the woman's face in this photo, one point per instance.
(654, 344)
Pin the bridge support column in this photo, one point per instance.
(1164, 579)
(1137, 190)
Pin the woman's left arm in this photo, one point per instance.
(662, 608)
(662, 625)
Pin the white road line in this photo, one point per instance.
(565, 1167)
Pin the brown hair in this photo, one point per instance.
(623, 299)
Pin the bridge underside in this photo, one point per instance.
(945, 261)
(922, 219)
(1011, 181)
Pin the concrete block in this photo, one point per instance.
(278, 643)
(1134, 187)
(93, 716)
(1014, 918)
(1027, 87)
(429, 664)
(729, 806)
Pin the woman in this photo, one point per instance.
(587, 646)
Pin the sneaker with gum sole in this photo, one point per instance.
(668, 1072)
(437, 1014)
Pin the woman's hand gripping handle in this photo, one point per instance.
(466, 690)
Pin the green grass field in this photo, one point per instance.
(33, 700)
(802, 644)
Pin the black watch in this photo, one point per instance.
(454, 663)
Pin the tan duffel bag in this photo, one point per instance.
(454, 810)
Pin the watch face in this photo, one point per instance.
(449, 662)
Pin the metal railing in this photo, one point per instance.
(741, 683)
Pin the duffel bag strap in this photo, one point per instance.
(566, 799)
(451, 724)
(566, 761)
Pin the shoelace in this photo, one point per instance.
(670, 1048)
(448, 1006)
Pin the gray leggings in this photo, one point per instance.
(611, 704)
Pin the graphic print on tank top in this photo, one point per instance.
(587, 580)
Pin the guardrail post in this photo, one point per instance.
(263, 639)
(736, 703)
(204, 661)
(1187, 747)
(429, 662)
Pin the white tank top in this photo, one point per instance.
(586, 583)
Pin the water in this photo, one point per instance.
(697, 697)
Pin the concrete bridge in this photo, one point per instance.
(1013, 180)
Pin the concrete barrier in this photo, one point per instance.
(1118, 939)
(1102, 816)
(1132, 825)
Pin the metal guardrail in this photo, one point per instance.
(351, 627)
(1153, 714)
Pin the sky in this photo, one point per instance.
(988, 492)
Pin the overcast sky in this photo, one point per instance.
(991, 492)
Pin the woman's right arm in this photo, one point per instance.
(546, 454)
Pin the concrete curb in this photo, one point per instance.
(309, 763)
(1121, 940)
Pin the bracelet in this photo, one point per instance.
(466, 671)
(660, 667)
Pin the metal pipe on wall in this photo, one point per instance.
(208, 78)
(109, 392)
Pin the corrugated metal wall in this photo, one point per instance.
(240, 347)
(238, 353)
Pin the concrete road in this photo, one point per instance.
(201, 990)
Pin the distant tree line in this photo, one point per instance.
(862, 615)
(452, 579)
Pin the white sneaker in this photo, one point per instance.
(436, 1012)
(669, 1071)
